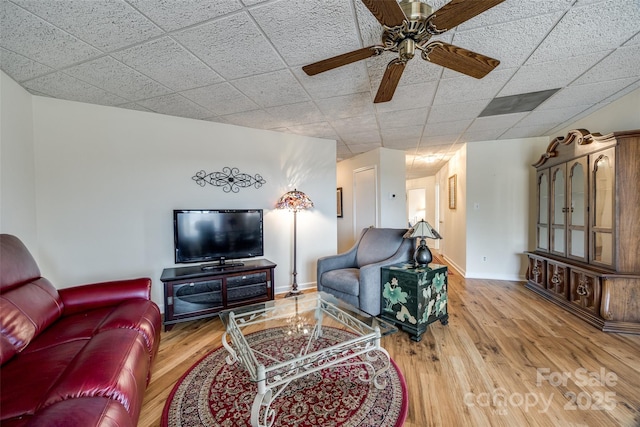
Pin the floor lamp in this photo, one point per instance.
(294, 201)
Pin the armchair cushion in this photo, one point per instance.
(354, 276)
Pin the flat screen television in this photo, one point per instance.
(217, 235)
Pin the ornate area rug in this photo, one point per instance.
(214, 393)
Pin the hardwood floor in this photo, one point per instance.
(506, 358)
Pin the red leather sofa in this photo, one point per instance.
(78, 356)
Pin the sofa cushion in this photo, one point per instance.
(345, 280)
(112, 364)
(31, 376)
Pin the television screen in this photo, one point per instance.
(216, 235)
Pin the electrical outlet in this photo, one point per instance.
(484, 259)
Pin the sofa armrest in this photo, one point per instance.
(86, 297)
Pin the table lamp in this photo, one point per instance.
(422, 255)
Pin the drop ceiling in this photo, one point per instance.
(239, 62)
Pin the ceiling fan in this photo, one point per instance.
(409, 25)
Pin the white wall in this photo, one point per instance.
(104, 182)
(17, 164)
(391, 169)
(453, 226)
(498, 206)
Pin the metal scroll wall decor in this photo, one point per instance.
(230, 179)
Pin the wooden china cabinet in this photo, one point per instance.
(587, 256)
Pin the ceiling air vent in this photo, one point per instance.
(516, 103)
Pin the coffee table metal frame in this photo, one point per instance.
(273, 378)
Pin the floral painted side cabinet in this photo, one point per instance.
(412, 298)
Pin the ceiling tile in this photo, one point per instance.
(362, 148)
(60, 85)
(258, 119)
(398, 119)
(345, 80)
(172, 14)
(549, 75)
(26, 34)
(409, 97)
(175, 105)
(105, 24)
(585, 94)
(447, 128)
(326, 28)
(165, 61)
(272, 89)
(506, 12)
(340, 107)
(427, 140)
(511, 43)
(19, 67)
(350, 125)
(482, 135)
(622, 63)
(296, 114)
(362, 137)
(459, 111)
(495, 122)
(550, 117)
(113, 76)
(396, 135)
(451, 91)
(589, 28)
(221, 99)
(319, 130)
(233, 46)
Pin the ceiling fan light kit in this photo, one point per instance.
(409, 25)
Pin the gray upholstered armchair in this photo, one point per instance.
(354, 276)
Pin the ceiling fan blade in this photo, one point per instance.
(461, 60)
(387, 12)
(340, 60)
(456, 12)
(390, 81)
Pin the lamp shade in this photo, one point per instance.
(294, 200)
(422, 229)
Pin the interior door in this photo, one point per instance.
(365, 199)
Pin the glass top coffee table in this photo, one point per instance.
(313, 331)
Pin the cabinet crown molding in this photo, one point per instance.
(579, 137)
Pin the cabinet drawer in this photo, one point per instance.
(585, 290)
(536, 274)
(246, 279)
(247, 292)
(557, 279)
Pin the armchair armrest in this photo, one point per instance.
(81, 298)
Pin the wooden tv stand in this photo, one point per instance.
(201, 291)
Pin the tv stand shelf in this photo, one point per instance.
(195, 292)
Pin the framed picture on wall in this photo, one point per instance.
(452, 191)
(339, 201)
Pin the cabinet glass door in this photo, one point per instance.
(543, 210)
(577, 215)
(558, 210)
(602, 243)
